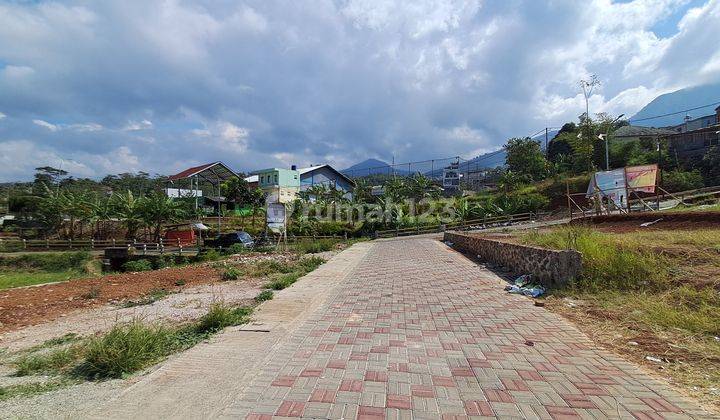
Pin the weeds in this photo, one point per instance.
(220, 316)
(150, 298)
(263, 296)
(24, 390)
(231, 273)
(607, 262)
(125, 349)
(49, 363)
(92, 293)
(315, 246)
(138, 265)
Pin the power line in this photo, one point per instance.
(674, 113)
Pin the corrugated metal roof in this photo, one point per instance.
(636, 131)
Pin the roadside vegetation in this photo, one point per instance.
(38, 268)
(130, 347)
(652, 294)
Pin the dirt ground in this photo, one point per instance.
(665, 221)
(23, 307)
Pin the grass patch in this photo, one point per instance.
(220, 316)
(44, 267)
(125, 349)
(609, 262)
(26, 390)
(48, 363)
(12, 279)
(231, 273)
(47, 261)
(315, 246)
(263, 296)
(298, 269)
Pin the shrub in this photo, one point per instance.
(51, 261)
(263, 296)
(677, 180)
(138, 265)
(125, 349)
(236, 249)
(162, 262)
(231, 273)
(208, 255)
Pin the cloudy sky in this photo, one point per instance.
(115, 86)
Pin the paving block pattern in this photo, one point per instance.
(418, 331)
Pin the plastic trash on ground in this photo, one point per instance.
(523, 286)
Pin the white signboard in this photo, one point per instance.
(276, 217)
(180, 192)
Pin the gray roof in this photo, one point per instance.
(637, 131)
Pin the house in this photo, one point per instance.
(691, 124)
(633, 132)
(325, 175)
(693, 144)
(280, 185)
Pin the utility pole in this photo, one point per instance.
(546, 140)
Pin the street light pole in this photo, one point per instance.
(607, 142)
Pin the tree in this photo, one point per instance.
(157, 209)
(525, 158)
(47, 176)
(127, 209)
(711, 166)
(238, 190)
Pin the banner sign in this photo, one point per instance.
(614, 185)
(609, 184)
(641, 178)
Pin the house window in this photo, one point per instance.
(276, 178)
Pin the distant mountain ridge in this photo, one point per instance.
(370, 167)
(676, 101)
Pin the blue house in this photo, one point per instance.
(325, 175)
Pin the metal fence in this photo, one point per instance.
(473, 224)
(472, 174)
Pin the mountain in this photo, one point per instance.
(370, 167)
(677, 101)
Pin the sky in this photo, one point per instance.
(112, 86)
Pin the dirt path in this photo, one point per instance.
(397, 329)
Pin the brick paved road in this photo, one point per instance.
(419, 331)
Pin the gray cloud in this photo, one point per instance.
(157, 86)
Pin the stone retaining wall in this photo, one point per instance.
(550, 268)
